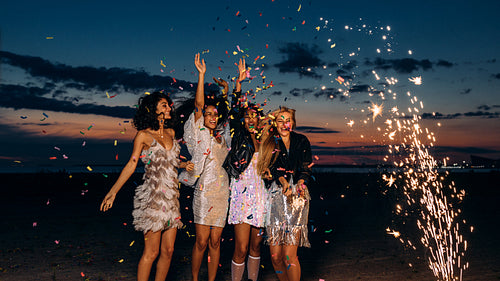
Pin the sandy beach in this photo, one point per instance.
(52, 230)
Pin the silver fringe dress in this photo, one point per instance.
(287, 219)
(156, 201)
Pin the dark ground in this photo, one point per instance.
(72, 238)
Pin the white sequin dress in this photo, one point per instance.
(156, 201)
(249, 197)
(211, 192)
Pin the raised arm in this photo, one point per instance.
(199, 101)
(225, 87)
(242, 75)
(127, 171)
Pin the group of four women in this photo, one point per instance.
(255, 165)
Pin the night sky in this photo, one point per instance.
(72, 71)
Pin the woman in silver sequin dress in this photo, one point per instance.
(156, 204)
(207, 141)
(285, 159)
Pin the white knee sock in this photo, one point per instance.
(253, 267)
(237, 270)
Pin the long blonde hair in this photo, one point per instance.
(268, 143)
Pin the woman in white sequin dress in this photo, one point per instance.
(206, 140)
(156, 204)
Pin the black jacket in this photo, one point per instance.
(296, 162)
(242, 149)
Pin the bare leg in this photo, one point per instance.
(292, 262)
(151, 249)
(167, 249)
(241, 237)
(278, 264)
(214, 251)
(254, 253)
(202, 235)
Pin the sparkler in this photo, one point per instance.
(423, 189)
(424, 192)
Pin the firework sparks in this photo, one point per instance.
(423, 191)
(416, 80)
(376, 110)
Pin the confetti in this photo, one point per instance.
(88, 168)
(131, 243)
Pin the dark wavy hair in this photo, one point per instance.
(146, 117)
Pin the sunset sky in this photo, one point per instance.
(72, 71)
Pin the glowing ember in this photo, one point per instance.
(376, 110)
(416, 80)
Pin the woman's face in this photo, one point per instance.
(163, 109)
(251, 121)
(211, 116)
(284, 124)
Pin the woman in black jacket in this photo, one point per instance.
(248, 200)
(285, 160)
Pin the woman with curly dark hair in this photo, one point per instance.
(156, 202)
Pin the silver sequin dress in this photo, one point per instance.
(287, 219)
(156, 201)
(211, 192)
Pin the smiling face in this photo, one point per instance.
(284, 123)
(210, 116)
(251, 120)
(163, 109)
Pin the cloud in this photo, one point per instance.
(361, 89)
(301, 59)
(87, 78)
(18, 97)
(296, 92)
(330, 93)
(438, 115)
(444, 63)
(497, 76)
(315, 130)
(276, 93)
(406, 65)
(350, 150)
(466, 91)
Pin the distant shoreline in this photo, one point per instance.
(319, 169)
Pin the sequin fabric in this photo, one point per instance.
(211, 192)
(286, 223)
(156, 201)
(249, 197)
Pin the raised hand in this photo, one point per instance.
(221, 82)
(242, 70)
(200, 65)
